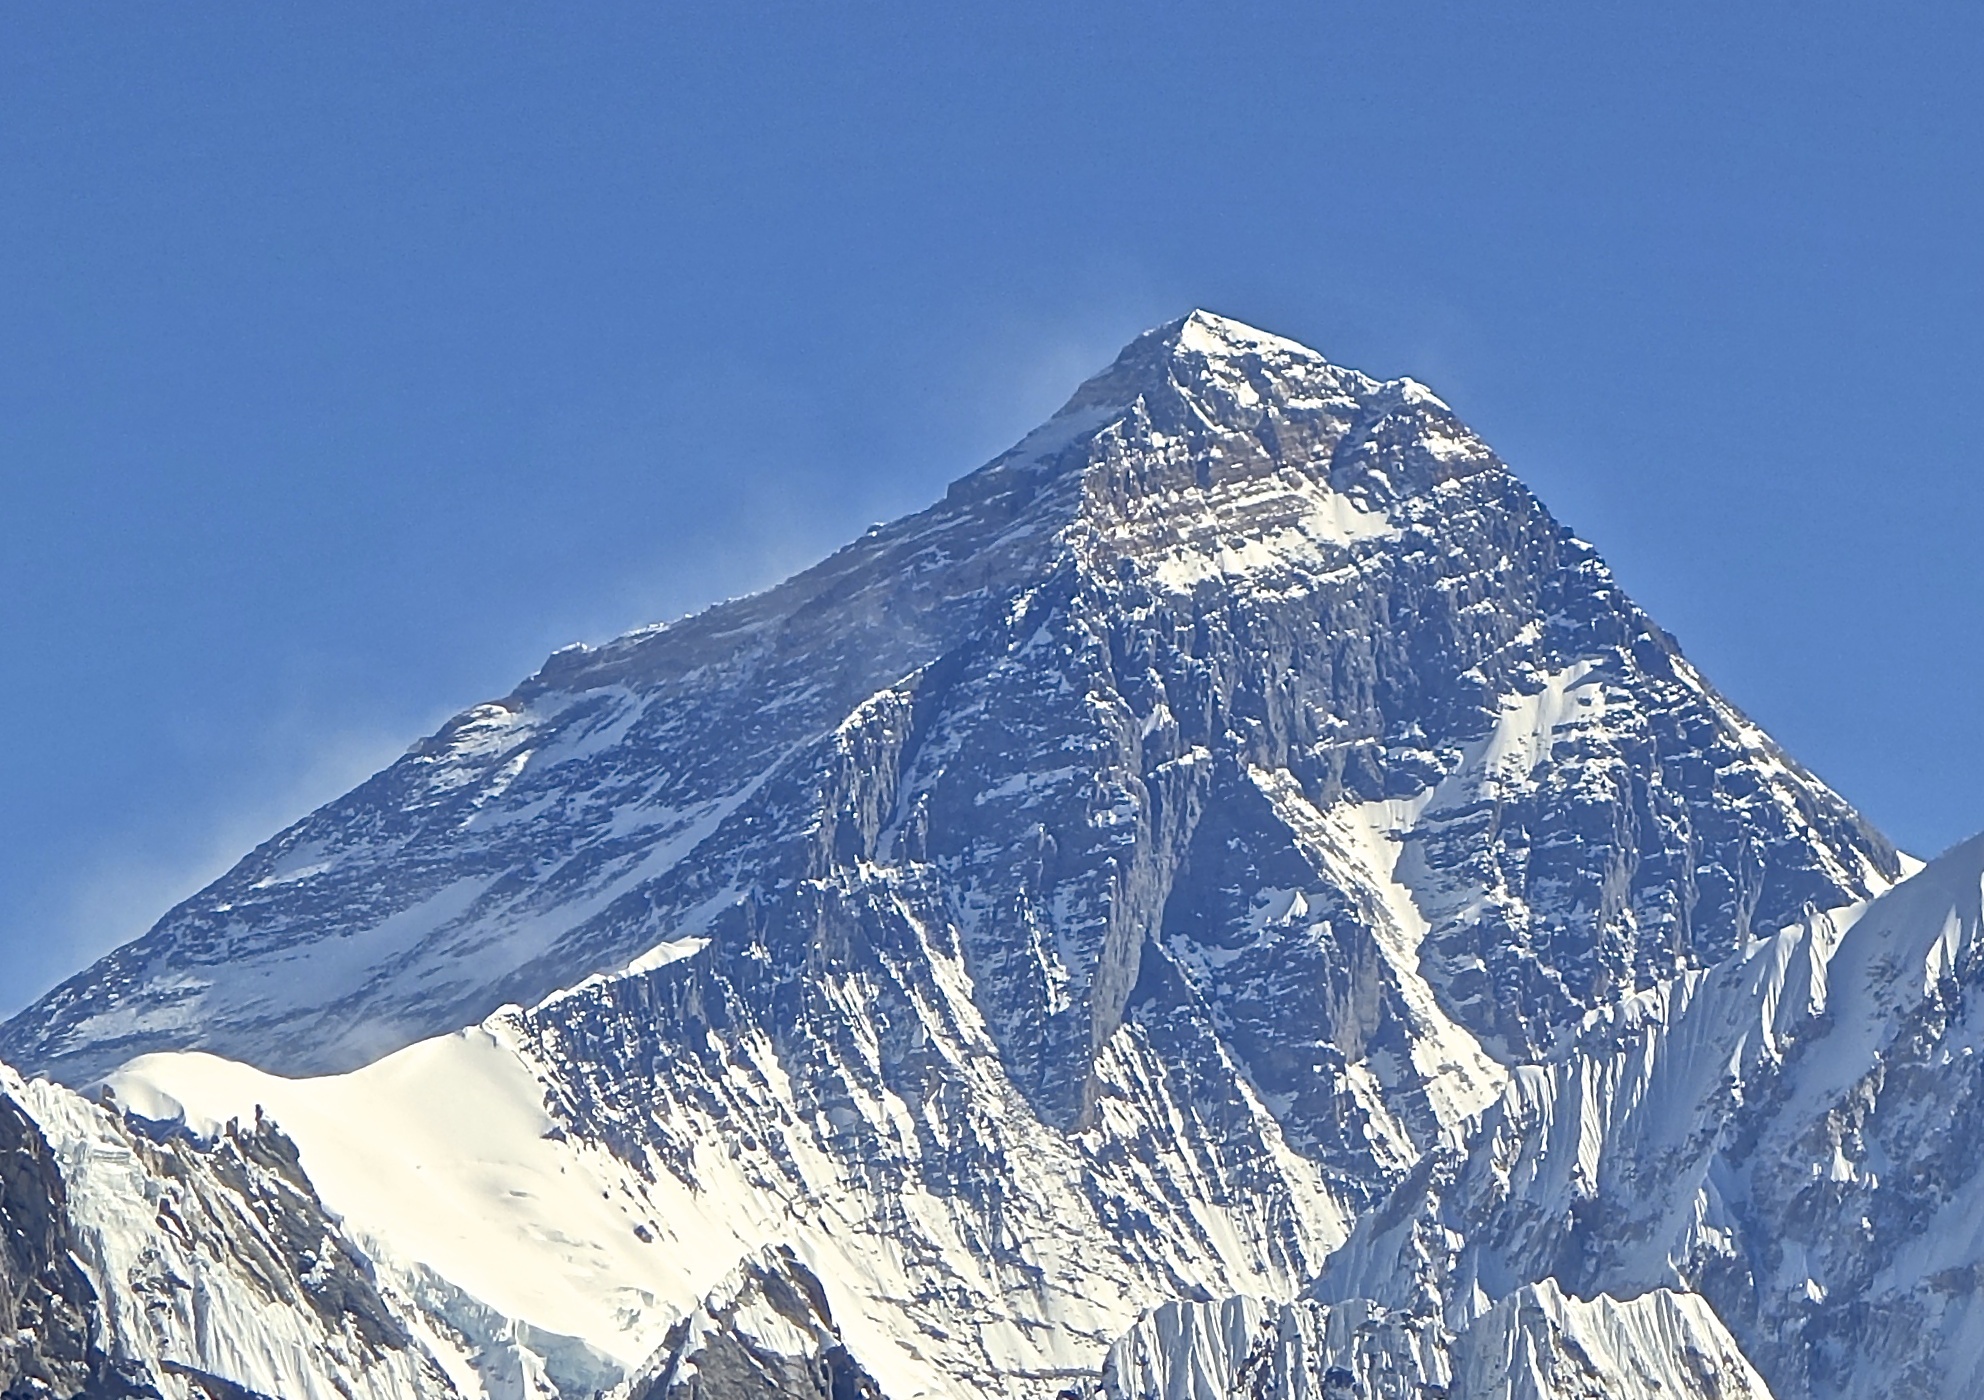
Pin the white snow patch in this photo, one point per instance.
(662, 954)
(1362, 845)
(441, 1149)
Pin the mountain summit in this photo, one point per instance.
(1099, 888)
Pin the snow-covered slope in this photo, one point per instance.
(1092, 890)
(1535, 1344)
(1795, 1134)
(197, 1272)
(965, 1246)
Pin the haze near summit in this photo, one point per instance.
(351, 367)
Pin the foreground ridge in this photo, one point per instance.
(1122, 881)
(1535, 1344)
(1793, 1134)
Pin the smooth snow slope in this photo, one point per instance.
(443, 1155)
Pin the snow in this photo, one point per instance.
(662, 954)
(1250, 531)
(1215, 336)
(441, 1150)
(1361, 845)
(1537, 1344)
(187, 1276)
(1453, 447)
(334, 966)
(445, 1155)
(1788, 1106)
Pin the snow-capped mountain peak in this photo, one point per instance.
(1099, 888)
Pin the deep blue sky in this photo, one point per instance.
(351, 360)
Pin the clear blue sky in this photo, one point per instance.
(352, 358)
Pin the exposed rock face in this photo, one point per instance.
(765, 1334)
(1226, 558)
(48, 1316)
(1095, 889)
